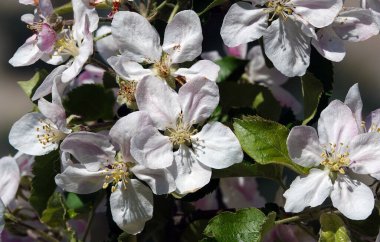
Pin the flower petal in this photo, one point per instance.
(201, 69)
(106, 46)
(45, 7)
(152, 149)
(9, 179)
(239, 51)
(190, 175)
(304, 147)
(365, 153)
(127, 127)
(352, 198)
(128, 70)
(136, 37)
(46, 38)
(372, 121)
(23, 135)
(161, 181)
(243, 23)
(183, 37)
(285, 98)
(329, 45)
(159, 100)
(90, 149)
(76, 178)
(336, 124)
(198, 99)
(27, 54)
(216, 146)
(46, 86)
(287, 47)
(312, 10)
(82, 11)
(354, 102)
(131, 207)
(310, 190)
(25, 163)
(355, 24)
(54, 112)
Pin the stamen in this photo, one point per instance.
(280, 8)
(67, 45)
(182, 133)
(119, 173)
(35, 27)
(48, 133)
(127, 91)
(336, 159)
(162, 67)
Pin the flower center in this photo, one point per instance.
(36, 27)
(48, 133)
(336, 159)
(67, 45)
(162, 67)
(182, 133)
(119, 172)
(279, 8)
(127, 91)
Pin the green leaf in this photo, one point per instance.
(91, 102)
(265, 141)
(55, 213)
(231, 68)
(333, 229)
(73, 201)
(212, 5)
(312, 90)
(247, 169)
(43, 185)
(30, 86)
(248, 224)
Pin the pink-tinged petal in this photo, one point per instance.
(159, 100)
(91, 75)
(372, 121)
(355, 24)
(28, 18)
(352, 198)
(9, 179)
(354, 101)
(85, 51)
(201, 69)
(216, 146)
(336, 124)
(329, 45)
(161, 181)
(304, 147)
(136, 37)
(286, 99)
(26, 54)
(85, 17)
(190, 175)
(127, 127)
(23, 135)
(45, 7)
(365, 153)
(239, 51)
(54, 112)
(243, 23)
(287, 47)
(46, 86)
(24, 163)
(128, 70)
(92, 150)
(76, 178)
(312, 10)
(106, 46)
(198, 99)
(311, 190)
(152, 149)
(183, 37)
(241, 192)
(131, 206)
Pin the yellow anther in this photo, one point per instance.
(49, 133)
(182, 133)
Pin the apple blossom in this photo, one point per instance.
(285, 25)
(139, 42)
(106, 46)
(374, 6)
(351, 24)
(188, 153)
(39, 133)
(97, 167)
(338, 148)
(2, 211)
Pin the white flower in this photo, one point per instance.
(287, 38)
(2, 211)
(97, 167)
(83, 9)
(39, 133)
(139, 42)
(106, 47)
(187, 152)
(351, 24)
(9, 179)
(374, 6)
(338, 148)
